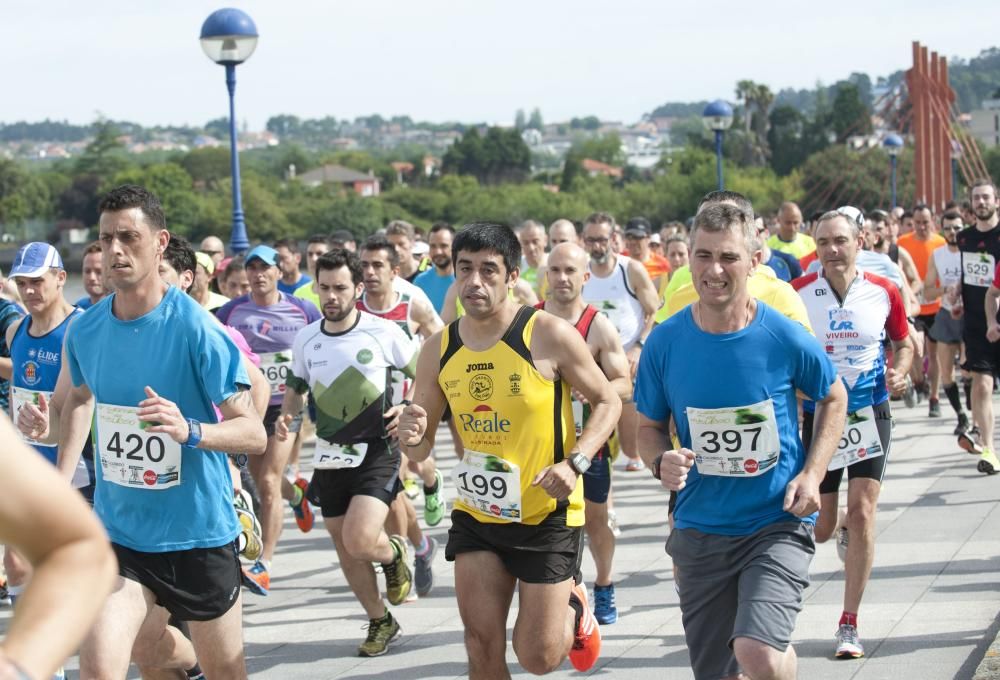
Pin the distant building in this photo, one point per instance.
(360, 183)
(984, 123)
(594, 168)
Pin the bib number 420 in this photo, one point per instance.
(152, 449)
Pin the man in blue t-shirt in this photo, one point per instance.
(436, 280)
(157, 365)
(726, 371)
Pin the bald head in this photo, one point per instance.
(214, 248)
(567, 271)
(562, 231)
(789, 221)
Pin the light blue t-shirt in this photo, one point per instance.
(435, 285)
(291, 287)
(682, 367)
(187, 358)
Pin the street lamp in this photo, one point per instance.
(718, 116)
(893, 145)
(956, 154)
(229, 37)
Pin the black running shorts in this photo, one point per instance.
(873, 468)
(200, 584)
(377, 476)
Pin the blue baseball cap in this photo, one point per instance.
(34, 259)
(265, 254)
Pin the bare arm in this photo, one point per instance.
(449, 311)
(241, 431)
(6, 363)
(991, 305)
(932, 289)
(909, 297)
(260, 389)
(48, 522)
(75, 412)
(418, 422)
(524, 293)
(291, 404)
(902, 357)
(427, 320)
(802, 496)
(611, 357)
(910, 271)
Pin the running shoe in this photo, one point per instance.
(434, 504)
(967, 442)
(423, 577)
(380, 633)
(934, 409)
(398, 578)
(605, 610)
(616, 530)
(910, 394)
(257, 579)
(848, 643)
(963, 424)
(304, 517)
(411, 489)
(842, 541)
(587, 637)
(633, 465)
(250, 542)
(988, 463)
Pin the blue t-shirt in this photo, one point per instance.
(435, 285)
(9, 313)
(186, 356)
(290, 288)
(682, 366)
(84, 302)
(785, 266)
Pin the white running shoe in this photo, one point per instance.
(848, 643)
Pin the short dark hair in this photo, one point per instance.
(94, 247)
(401, 228)
(290, 243)
(736, 198)
(337, 258)
(906, 214)
(923, 206)
(318, 238)
(878, 216)
(952, 214)
(442, 226)
(341, 236)
(128, 196)
(179, 254)
(499, 238)
(236, 264)
(600, 218)
(983, 182)
(721, 217)
(376, 242)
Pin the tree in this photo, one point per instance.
(207, 164)
(500, 156)
(850, 116)
(23, 195)
(218, 128)
(519, 120)
(606, 149)
(105, 155)
(285, 126)
(535, 122)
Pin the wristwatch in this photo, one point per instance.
(194, 433)
(579, 462)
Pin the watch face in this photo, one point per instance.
(580, 462)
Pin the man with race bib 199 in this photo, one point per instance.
(980, 249)
(344, 359)
(849, 311)
(726, 370)
(269, 319)
(157, 365)
(505, 371)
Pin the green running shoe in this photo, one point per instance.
(380, 633)
(398, 579)
(434, 504)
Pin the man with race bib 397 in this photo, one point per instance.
(726, 370)
(269, 319)
(850, 310)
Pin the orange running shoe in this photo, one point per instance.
(257, 579)
(303, 513)
(587, 636)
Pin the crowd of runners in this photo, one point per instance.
(177, 395)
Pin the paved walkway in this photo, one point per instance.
(931, 610)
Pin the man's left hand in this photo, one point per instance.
(558, 480)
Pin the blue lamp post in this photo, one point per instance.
(229, 37)
(718, 116)
(893, 145)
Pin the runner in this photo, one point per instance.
(436, 280)
(505, 371)
(979, 246)
(93, 276)
(317, 246)
(944, 271)
(638, 240)
(563, 231)
(169, 514)
(290, 264)
(344, 359)
(851, 310)
(402, 235)
(789, 239)
(621, 288)
(920, 244)
(567, 272)
(531, 236)
(74, 566)
(201, 286)
(269, 319)
(747, 489)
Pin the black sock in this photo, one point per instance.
(195, 672)
(968, 393)
(430, 490)
(577, 608)
(951, 391)
(395, 555)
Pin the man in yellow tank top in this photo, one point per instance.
(505, 371)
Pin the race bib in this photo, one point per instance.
(860, 440)
(21, 396)
(276, 367)
(735, 442)
(615, 311)
(338, 456)
(978, 269)
(577, 416)
(132, 457)
(489, 484)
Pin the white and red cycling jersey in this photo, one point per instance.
(851, 330)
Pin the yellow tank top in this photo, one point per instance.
(504, 408)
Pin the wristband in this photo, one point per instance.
(656, 465)
(405, 402)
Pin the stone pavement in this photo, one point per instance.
(930, 611)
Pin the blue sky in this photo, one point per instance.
(438, 60)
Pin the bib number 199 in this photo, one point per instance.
(494, 486)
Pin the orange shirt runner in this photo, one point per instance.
(921, 251)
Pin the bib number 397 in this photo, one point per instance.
(132, 457)
(735, 442)
(489, 485)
